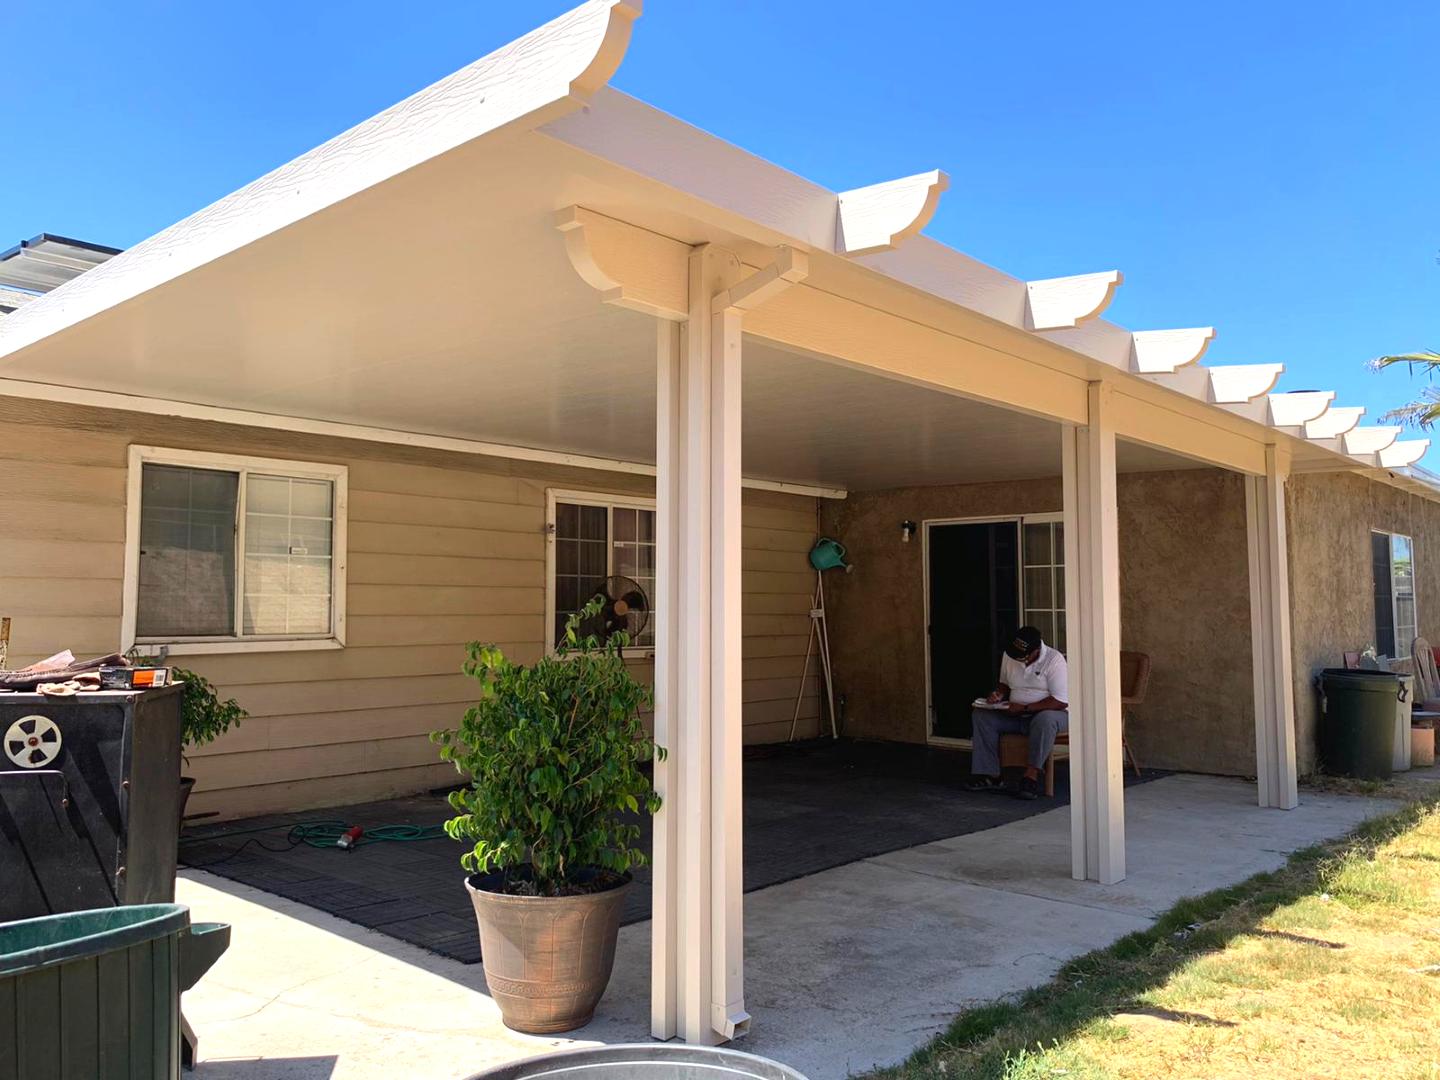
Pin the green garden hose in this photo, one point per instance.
(316, 834)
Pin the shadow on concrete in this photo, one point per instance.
(270, 1068)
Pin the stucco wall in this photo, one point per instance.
(443, 548)
(1184, 598)
(1332, 601)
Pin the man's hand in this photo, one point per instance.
(996, 696)
(1016, 708)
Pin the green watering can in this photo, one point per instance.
(828, 554)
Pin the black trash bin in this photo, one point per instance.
(1357, 722)
(89, 800)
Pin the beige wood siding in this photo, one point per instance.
(443, 549)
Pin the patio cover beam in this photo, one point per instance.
(1092, 593)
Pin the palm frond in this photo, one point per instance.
(1425, 358)
(1423, 413)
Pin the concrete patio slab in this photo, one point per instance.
(1184, 834)
(847, 968)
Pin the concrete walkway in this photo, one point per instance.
(846, 969)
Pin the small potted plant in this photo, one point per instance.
(553, 756)
(204, 717)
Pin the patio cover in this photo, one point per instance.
(522, 261)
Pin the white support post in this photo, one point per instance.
(698, 962)
(665, 885)
(1270, 633)
(1092, 591)
(728, 1017)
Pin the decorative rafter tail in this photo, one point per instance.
(614, 41)
(629, 267)
(1300, 407)
(1058, 303)
(1236, 383)
(1369, 440)
(882, 216)
(1156, 352)
(1336, 421)
(1403, 452)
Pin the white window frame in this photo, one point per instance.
(1402, 649)
(1055, 562)
(586, 498)
(338, 475)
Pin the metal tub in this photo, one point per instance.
(644, 1061)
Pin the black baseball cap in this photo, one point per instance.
(1027, 640)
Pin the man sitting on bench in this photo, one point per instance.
(1034, 685)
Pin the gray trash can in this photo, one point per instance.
(645, 1061)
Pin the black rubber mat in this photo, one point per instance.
(808, 807)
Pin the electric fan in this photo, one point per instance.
(627, 610)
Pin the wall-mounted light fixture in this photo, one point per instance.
(907, 530)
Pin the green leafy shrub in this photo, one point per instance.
(204, 717)
(553, 755)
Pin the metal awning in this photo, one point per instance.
(35, 266)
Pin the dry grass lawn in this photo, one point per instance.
(1327, 968)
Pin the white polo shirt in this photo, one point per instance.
(1046, 677)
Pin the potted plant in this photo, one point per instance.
(553, 756)
(204, 717)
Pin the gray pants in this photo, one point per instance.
(989, 725)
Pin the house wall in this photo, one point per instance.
(1184, 600)
(443, 548)
(1332, 601)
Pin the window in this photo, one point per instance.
(223, 551)
(1043, 579)
(593, 537)
(1393, 568)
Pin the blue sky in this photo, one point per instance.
(1272, 169)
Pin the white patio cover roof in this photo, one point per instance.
(407, 279)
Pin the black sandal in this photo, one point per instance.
(985, 783)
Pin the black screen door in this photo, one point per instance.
(974, 610)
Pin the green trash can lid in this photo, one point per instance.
(1375, 682)
(54, 939)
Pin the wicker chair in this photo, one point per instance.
(1134, 682)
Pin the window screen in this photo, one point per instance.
(194, 520)
(288, 528)
(187, 552)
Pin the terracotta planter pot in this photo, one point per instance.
(547, 958)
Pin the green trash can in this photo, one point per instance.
(92, 995)
(1357, 722)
